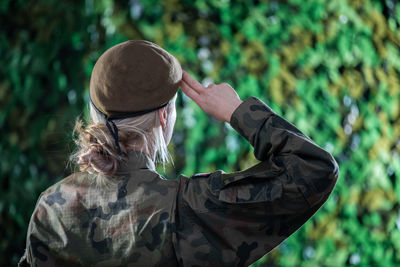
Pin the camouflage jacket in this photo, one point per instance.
(214, 219)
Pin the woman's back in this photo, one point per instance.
(123, 222)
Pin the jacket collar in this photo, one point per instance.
(136, 160)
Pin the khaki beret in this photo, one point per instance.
(136, 76)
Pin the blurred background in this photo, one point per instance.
(330, 67)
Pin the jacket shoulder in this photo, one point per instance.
(65, 193)
(74, 179)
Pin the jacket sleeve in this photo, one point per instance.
(46, 238)
(37, 250)
(233, 219)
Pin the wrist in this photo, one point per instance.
(235, 105)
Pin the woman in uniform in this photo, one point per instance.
(118, 211)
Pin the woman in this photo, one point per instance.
(118, 211)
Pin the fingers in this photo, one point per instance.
(195, 85)
(189, 91)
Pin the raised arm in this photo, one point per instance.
(233, 219)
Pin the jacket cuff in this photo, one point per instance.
(249, 115)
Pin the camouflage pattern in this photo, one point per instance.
(215, 219)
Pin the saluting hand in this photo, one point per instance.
(217, 100)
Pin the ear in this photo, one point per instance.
(163, 117)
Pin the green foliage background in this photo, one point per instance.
(331, 67)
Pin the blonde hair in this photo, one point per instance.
(96, 152)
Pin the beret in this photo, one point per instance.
(136, 76)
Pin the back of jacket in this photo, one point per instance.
(215, 219)
(78, 222)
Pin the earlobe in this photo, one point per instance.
(163, 117)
